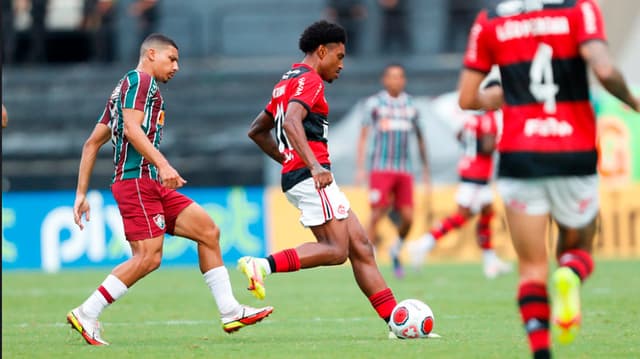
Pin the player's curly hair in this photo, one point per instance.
(321, 33)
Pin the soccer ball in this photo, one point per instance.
(411, 319)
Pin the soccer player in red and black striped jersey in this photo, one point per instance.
(474, 196)
(144, 186)
(548, 147)
(299, 113)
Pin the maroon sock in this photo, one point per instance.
(452, 222)
(579, 261)
(534, 310)
(383, 302)
(484, 231)
(284, 261)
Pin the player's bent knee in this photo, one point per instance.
(213, 233)
(144, 264)
(153, 262)
(209, 236)
(338, 256)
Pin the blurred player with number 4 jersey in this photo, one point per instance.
(298, 111)
(548, 147)
(478, 137)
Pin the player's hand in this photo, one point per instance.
(321, 176)
(81, 207)
(170, 178)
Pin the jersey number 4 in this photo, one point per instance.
(542, 86)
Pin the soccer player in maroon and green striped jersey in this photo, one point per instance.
(144, 186)
(392, 118)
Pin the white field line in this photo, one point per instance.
(152, 323)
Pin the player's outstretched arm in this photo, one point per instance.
(260, 133)
(100, 135)
(596, 54)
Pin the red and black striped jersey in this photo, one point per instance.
(474, 165)
(549, 123)
(300, 84)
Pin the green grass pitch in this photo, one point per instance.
(319, 313)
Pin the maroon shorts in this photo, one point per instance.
(147, 208)
(385, 186)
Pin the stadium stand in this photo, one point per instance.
(232, 51)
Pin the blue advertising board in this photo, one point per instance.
(38, 231)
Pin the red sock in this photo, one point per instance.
(484, 231)
(452, 222)
(383, 302)
(534, 310)
(284, 261)
(579, 261)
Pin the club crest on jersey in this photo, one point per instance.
(158, 219)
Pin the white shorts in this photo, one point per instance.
(572, 201)
(318, 206)
(474, 196)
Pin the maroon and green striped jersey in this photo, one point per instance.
(136, 90)
(391, 121)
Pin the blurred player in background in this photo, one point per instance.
(548, 147)
(5, 117)
(392, 117)
(144, 186)
(298, 111)
(474, 195)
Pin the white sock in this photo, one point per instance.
(426, 242)
(397, 246)
(218, 281)
(109, 291)
(489, 255)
